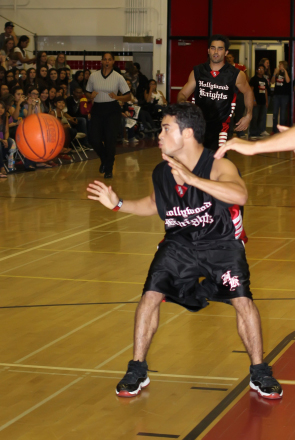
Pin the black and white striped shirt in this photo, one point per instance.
(113, 82)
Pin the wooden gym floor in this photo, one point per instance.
(71, 275)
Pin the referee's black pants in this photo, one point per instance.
(105, 125)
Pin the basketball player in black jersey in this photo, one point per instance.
(195, 196)
(215, 84)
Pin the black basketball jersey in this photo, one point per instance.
(215, 91)
(190, 214)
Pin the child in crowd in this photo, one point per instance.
(7, 145)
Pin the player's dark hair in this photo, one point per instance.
(110, 53)
(219, 37)
(188, 115)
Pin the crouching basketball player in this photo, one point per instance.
(196, 196)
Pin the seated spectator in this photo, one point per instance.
(69, 76)
(20, 51)
(142, 84)
(31, 79)
(23, 73)
(41, 60)
(42, 76)
(61, 61)
(16, 113)
(51, 61)
(65, 90)
(53, 78)
(87, 74)
(32, 103)
(155, 100)
(8, 33)
(64, 118)
(10, 80)
(59, 92)
(78, 120)
(8, 47)
(51, 97)
(260, 89)
(131, 74)
(7, 145)
(4, 90)
(44, 100)
(77, 81)
(143, 116)
(2, 75)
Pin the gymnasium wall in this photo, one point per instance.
(93, 25)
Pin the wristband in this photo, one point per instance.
(119, 205)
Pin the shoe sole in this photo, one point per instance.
(143, 384)
(272, 396)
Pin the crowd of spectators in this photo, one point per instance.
(46, 84)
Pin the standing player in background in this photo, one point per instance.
(193, 194)
(214, 84)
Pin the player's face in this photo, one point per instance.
(170, 138)
(217, 51)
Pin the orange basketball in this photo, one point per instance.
(40, 137)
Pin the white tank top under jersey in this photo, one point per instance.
(114, 82)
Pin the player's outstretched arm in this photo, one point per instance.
(187, 89)
(283, 141)
(225, 184)
(107, 197)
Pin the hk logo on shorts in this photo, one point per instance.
(227, 280)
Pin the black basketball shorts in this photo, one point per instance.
(176, 269)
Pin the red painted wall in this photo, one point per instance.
(251, 18)
(189, 17)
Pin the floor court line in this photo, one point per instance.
(131, 345)
(94, 370)
(70, 279)
(73, 331)
(28, 411)
(271, 253)
(97, 376)
(266, 168)
(66, 238)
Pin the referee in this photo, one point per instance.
(103, 87)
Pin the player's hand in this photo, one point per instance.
(243, 123)
(103, 194)
(235, 144)
(179, 170)
(113, 96)
(282, 128)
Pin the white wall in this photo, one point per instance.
(82, 18)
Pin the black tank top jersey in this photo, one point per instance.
(190, 214)
(214, 92)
